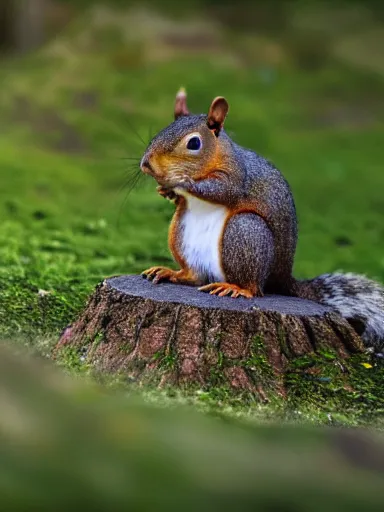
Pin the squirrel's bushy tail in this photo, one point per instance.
(357, 298)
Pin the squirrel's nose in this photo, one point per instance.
(145, 166)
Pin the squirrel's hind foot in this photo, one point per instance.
(223, 289)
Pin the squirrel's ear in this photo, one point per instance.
(181, 108)
(217, 113)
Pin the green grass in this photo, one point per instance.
(70, 114)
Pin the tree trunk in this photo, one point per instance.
(22, 24)
(174, 334)
(6, 24)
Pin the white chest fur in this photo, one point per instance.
(202, 227)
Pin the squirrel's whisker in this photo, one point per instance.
(130, 184)
(135, 132)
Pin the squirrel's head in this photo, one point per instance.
(188, 147)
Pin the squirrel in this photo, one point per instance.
(234, 231)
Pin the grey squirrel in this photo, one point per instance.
(234, 230)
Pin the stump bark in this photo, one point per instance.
(174, 334)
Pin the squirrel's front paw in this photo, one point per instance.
(167, 193)
(157, 274)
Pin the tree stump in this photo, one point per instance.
(175, 334)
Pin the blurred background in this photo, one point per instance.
(84, 85)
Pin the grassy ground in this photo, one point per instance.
(65, 445)
(72, 117)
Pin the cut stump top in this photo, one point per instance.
(137, 286)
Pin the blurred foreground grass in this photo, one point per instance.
(305, 91)
(67, 444)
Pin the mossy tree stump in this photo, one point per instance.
(173, 334)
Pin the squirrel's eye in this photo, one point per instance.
(194, 143)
